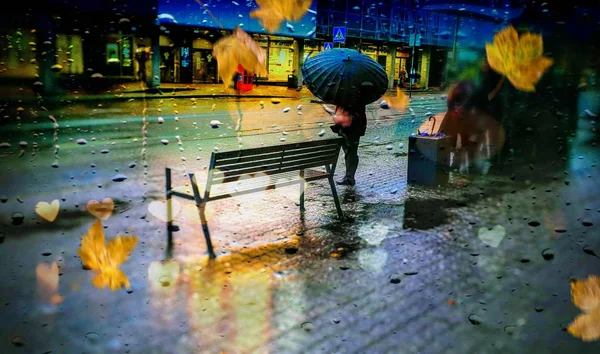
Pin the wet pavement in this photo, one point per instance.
(481, 265)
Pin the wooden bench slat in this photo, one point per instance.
(325, 155)
(273, 172)
(316, 175)
(271, 169)
(221, 164)
(277, 148)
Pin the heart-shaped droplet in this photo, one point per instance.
(158, 209)
(163, 274)
(101, 210)
(492, 237)
(47, 211)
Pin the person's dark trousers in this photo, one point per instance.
(350, 147)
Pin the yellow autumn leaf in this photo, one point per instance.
(271, 13)
(400, 102)
(585, 295)
(239, 48)
(106, 258)
(521, 59)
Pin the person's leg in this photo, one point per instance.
(350, 147)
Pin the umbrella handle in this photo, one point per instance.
(433, 126)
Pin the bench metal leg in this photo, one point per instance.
(169, 210)
(201, 205)
(209, 246)
(335, 197)
(302, 189)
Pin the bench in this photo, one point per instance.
(290, 163)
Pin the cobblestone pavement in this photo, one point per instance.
(408, 273)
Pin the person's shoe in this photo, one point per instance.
(346, 182)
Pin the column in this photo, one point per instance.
(153, 81)
(425, 63)
(392, 72)
(46, 44)
(300, 61)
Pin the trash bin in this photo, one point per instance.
(292, 81)
(428, 160)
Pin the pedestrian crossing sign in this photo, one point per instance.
(339, 34)
(328, 46)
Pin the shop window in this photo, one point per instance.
(119, 56)
(112, 53)
(280, 62)
(70, 53)
(18, 56)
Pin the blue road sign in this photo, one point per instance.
(339, 34)
(327, 46)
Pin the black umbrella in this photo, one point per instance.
(345, 77)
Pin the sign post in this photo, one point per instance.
(339, 34)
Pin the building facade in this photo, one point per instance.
(171, 40)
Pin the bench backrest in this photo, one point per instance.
(229, 166)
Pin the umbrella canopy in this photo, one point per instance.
(345, 77)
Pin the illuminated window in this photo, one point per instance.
(70, 53)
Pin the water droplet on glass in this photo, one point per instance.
(510, 330)
(291, 250)
(307, 326)
(119, 178)
(17, 218)
(587, 250)
(533, 223)
(18, 341)
(548, 254)
(81, 141)
(411, 273)
(164, 141)
(92, 337)
(475, 320)
(46, 253)
(587, 223)
(160, 120)
(389, 147)
(286, 109)
(104, 151)
(395, 279)
(539, 309)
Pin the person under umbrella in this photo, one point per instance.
(350, 80)
(351, 124)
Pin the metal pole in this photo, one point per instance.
(412, 68)
(454, 44)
